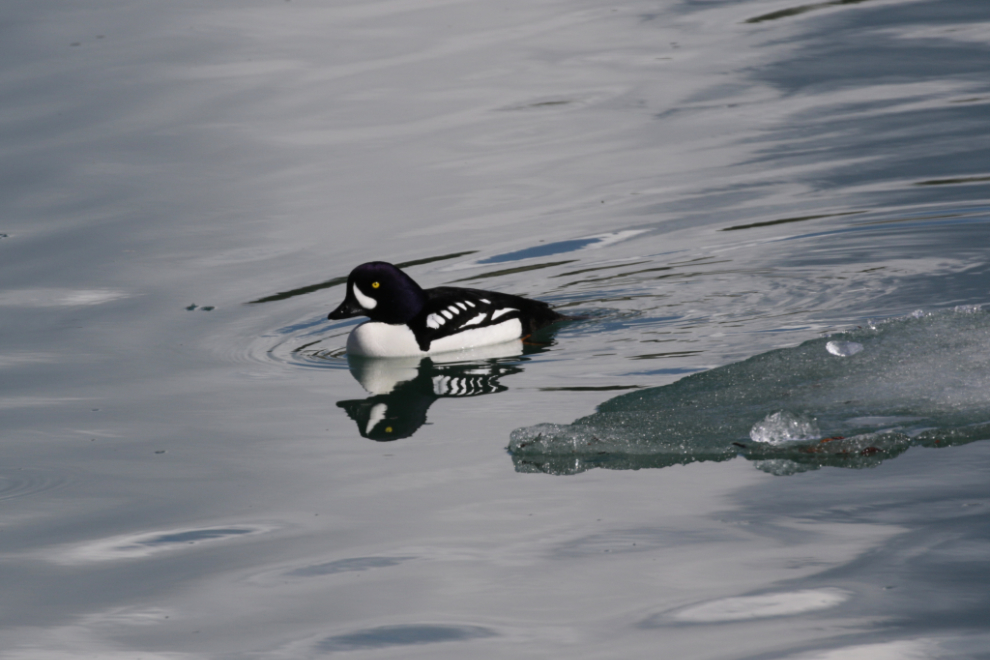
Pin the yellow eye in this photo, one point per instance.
(388, 429)
(375, 285)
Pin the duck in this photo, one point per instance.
(406, 320)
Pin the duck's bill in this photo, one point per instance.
(347, 309)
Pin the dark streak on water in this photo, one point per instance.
(801, 9)
(404, 635)
(336, 281)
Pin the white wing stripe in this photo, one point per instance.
(434, 321)
(475, 321)
(503, 311)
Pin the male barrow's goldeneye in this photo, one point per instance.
(407, 320)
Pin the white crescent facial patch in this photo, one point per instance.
(365, 301)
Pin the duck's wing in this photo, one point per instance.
(450, 310)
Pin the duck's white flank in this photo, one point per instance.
(373, 339)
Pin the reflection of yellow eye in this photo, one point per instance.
(375, 285)
(388, 429)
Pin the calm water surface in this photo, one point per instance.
(191, 468)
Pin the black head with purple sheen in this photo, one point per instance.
(381, 292)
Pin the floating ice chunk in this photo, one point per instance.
(918, 313)
(919, 382)
(843, 348)
(782, 427)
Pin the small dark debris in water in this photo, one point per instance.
(75, 43)
(3, 235)
(159, 451)
(739, 444)
(207, 308)
(94, 409)
(191, 307)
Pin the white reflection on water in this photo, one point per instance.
(35, 357)
(59, 297)
(87, 638)
(138, 546)
(908, 649)
(758, 607)
(37, 401)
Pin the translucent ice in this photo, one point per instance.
(843, 348)
(781, 427)
(927, 377)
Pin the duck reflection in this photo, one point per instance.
(403, 389)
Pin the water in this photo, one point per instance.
(722, 190)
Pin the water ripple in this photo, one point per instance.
(20, 482)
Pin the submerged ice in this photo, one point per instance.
(849, 400)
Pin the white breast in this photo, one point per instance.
(373, 339)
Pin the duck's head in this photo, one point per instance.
(381, 292)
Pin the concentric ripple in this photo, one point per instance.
(21, 482)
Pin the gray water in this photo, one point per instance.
(188, 463)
